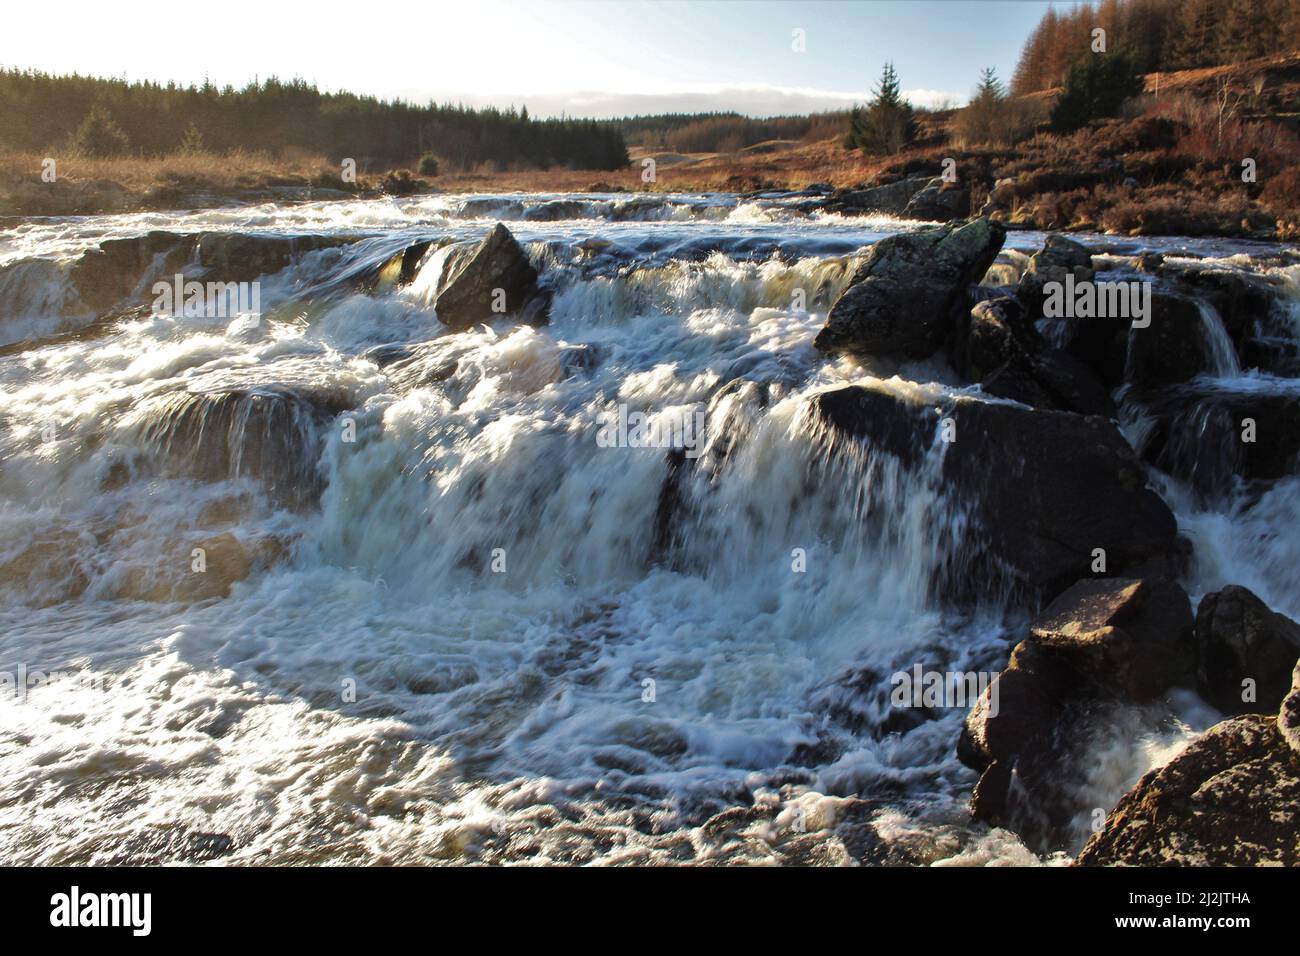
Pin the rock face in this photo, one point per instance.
(905, 298)
(1045, 488)
(1232, 798)
(1238, 638)
(1103, 641)
(472, 275)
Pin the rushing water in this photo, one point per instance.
(458, 629)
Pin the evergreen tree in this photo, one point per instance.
(1095, 87)
(888, 123)
(98, 135)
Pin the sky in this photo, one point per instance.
(597, 58)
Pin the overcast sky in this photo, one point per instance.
(584, 57)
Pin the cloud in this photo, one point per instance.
(750, 100)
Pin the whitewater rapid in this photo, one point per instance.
(467, 632)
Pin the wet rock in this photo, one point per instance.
(1199, 434)
(106, 276)
(237, 257)
(1232, 798)
(555, 210)
(1045, 488)
(1172, 348)
(1239, 638)
(472, 275)
(271, 433)
(1242, 299)
(1102, 642)
(1058, 258)
(124, 270)
(907, 296)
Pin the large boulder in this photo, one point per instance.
(1104, 641)
(1175, 347)
(1232, 798)
(473, 274)
(1045, 489)
(1239, 638)
(908, 294)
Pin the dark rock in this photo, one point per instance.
(1172, 348)
(939, 201)
(1045, 488)
(1050, 487)
(555, 210)
(105, 276)
(908, 294)
(1238, 638)
(237, 257)
(1199, 430)
(268, 432)
(1103, 642)
(890, 199)
(1242, 299)
(994, 335)
(1232, 798)
(472, 275)
(1000, 348)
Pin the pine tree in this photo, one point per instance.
(99, 135)
(888, 123)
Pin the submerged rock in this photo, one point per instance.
(477, 277)
(1239, 638)
(906, 297)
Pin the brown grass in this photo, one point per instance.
(235, 170)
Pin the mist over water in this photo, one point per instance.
(439, 621)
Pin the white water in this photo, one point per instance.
(497, 716)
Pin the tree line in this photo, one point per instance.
(1157, 36)
(39, 111)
